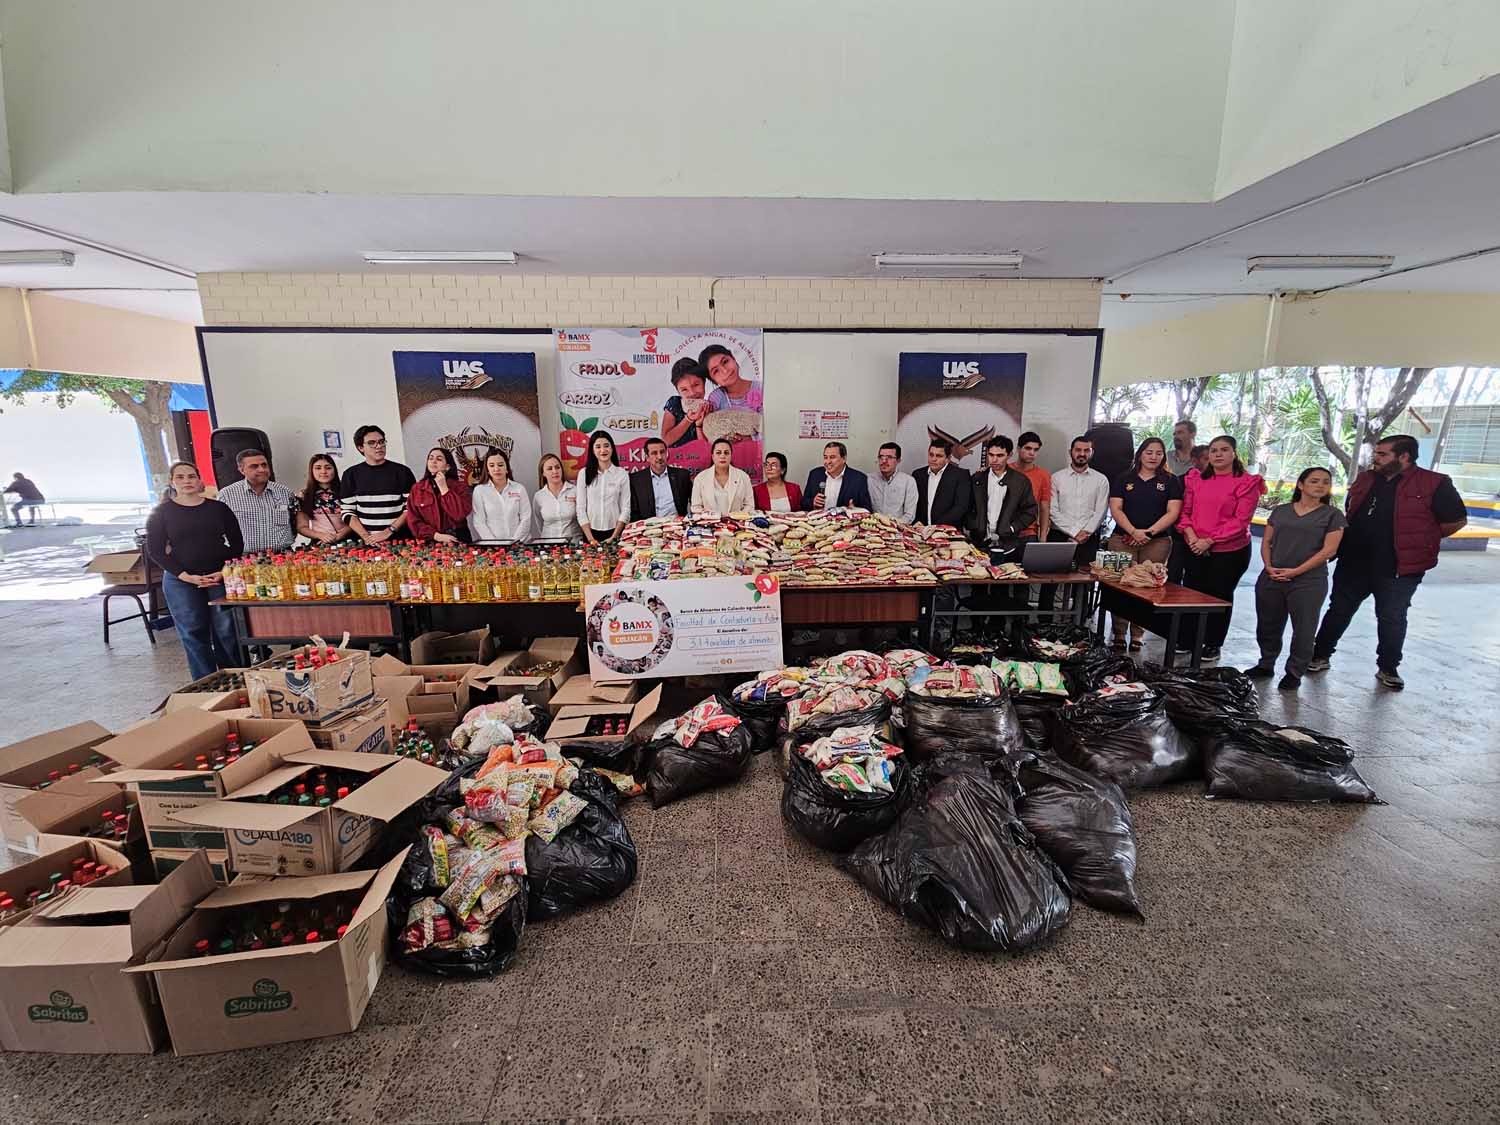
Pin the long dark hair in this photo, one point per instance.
(451, 472)
(1135, 466)
(1307, 472)
(1237, 469)
(308, 500)
(484, 464)
(591, 466)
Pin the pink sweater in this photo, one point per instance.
(1220, 507)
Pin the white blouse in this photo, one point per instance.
(606, 502)
(781, 503)
(555, 517)
(500, 513)
(734, 496)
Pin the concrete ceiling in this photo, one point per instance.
(156, 241)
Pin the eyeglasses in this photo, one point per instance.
(374, 441)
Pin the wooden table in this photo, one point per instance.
(1076, 588)
(1160, 610)
(850, 606)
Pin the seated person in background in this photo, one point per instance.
(28, 495)
(659, 489)
(836, 484)
(894, 492)
(778, 494)
(440, 502)
(320, 516)
(721, 487)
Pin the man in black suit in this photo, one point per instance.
(659, 489)
(944, 491)
(1004, 506)
(836, 485)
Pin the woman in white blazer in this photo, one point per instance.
(502, 509)
(722, 488)
(554, 513)
(604, 491)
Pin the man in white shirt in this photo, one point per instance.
(835, 484)
(893, 491)
(1080, 497)
(261, 505)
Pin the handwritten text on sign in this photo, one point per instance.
(688, 627)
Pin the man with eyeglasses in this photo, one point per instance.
(1399, 514)
(373, 495)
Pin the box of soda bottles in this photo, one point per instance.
(66, 862)
(316, 683)
(62, 984)
(36, 764)
(274, 960)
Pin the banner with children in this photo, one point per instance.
(687, 386)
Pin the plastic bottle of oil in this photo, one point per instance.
(299, 578)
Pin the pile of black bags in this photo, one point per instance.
(1201, 702)
(834, 819)
(1126, 737)
(1259, 761)
(985, 724)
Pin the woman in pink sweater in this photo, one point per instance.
(1215, 523)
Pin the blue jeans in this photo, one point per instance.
(207, 632)
(1352, 584)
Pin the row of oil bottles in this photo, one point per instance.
(420, 575)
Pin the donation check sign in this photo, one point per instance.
(686, 627)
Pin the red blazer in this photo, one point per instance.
(763, 498)
(429, 512)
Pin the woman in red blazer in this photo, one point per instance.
(439, 505)
(778, 494)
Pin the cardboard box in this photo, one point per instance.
(58, 854)
(61, 988)
(150, 751)
(501, 673)
(273, 839)
(25, 764)
(365, 732)
(74, 806)
(121, 568)
(394, 691)
(222, 1003)
(572, 723)
(166, 861)
(444, 693)
(211, 693)
(582, 691)
(476, 646)
(313, 695)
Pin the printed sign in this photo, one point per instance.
(466, 402)
(827, 424)
(965, 398)
(689, 627)
(634, 383)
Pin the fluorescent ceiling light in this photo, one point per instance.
(441, 257)
(948, 261)
(1319, 262)
(36, 257)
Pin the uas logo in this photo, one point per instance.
(464, 374)
(961, 374)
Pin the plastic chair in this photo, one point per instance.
(150, 589)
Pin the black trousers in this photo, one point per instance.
(1216, 574)
(1354, 580)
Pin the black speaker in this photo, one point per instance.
(226, 445)
(1114, 448)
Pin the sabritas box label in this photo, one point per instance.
(58, 1009)
(268, 998)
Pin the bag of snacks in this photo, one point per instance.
(1058, 643)
(960, 862)
(1259, 761)
(844, 788)
(963, 708)
(1122, 733)
(589, 860)
(705, 747)
(762, 703)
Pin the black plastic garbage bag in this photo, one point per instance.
(590, 860)
(1036, 639)
(762, 718)
(1037, 713)
(835, 820)
(1259, 761)
(617, 755)
(960, 862)
(1125, 737)
(877, 715)
(417, 881)
(671, 772)
(1083, 823)
(1098, 667)
(1201, 702)
(985, 724)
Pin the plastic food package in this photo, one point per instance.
(670, 770)
(589, 861)
(834, 700)
(979, 722)
(1084, 824)
(555, 815)
(1259, 761)
(837, 819)
(762, 702)
(960, 862)
(1058, 644)
(711, 716)
(1122, 733)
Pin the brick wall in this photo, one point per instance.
(521, 301)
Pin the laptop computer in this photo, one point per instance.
(1047, 558)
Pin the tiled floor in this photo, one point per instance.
(1296, 964)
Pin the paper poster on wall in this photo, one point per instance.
(699, 626)
(622, 380)
(466, 402)
(963, 397)
(826, 424)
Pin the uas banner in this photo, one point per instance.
(963, 397)
(467, 402)
(621, 380)
(689, 627)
